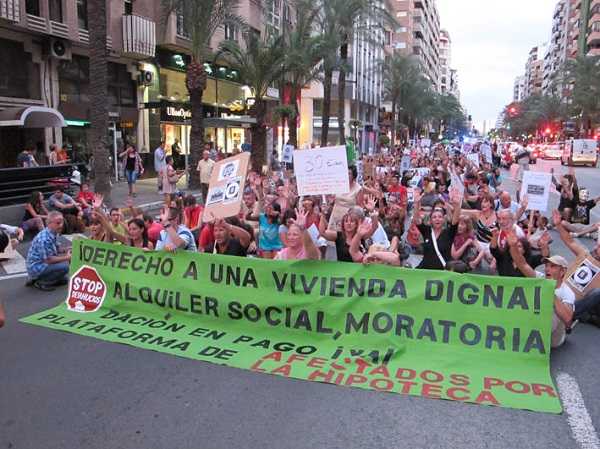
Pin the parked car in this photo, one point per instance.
(580, 152)
(553, 150)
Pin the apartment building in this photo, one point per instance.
(557, 52)
(592, 40)
(46, 84)
(454, 88)
(418, 33)
(534, 72)
(445, 58)
(519, 88)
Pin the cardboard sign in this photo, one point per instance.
(456, 183)
(473, 158)
(486, 150)
(322, 171)
(583, 275)
(224, 198)
(536, 185)
(405, 164)
(287, 155)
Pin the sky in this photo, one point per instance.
(491, 40)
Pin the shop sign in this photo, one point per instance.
(175, 114)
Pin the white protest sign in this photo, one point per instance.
(486, 150)
(456, 183)
(287, 155)
(536, 185)
(322, 171)
(405, 164)
(474, 158)
(426, 143)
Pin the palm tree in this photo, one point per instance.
(303, 57)
(344, 20)
(397, 72)
(98, 69)
(260, 63)
(200, 19)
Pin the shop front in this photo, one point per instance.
(167, 104)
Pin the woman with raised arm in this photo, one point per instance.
(437, 239)
(298, 243)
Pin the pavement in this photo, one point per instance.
(61, 390)
(147, 199)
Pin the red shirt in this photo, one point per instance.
(192, 215)
(400, 190)
(154, 232)
(88, 197)
(207, 237)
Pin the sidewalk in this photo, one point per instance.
(147, 199)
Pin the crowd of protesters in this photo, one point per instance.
(444, 210)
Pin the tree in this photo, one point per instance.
(260, 63)
(341, 22)
(200, 19)
(583, 74)
(535, 113)
(303, 52)
(98, 92)
(397, 72)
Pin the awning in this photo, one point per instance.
(229, 122)
(32, 117)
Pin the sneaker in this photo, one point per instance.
(43, 287)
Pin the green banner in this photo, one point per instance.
(434, 334)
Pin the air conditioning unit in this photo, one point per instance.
(146, 77)
(59, 49)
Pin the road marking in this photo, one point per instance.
(15, 265)
(578, 417)
(13, 276)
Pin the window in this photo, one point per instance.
(128, 7)
(181, 25)
(121, 88)
(82, 18)
(231, 32)
(274, 16)
(74, 80)
(32, 7)
(55, 7)
(20, 79)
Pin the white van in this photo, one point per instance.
(580, 152)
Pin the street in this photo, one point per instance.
(64, 391)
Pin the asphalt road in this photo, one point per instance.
(60, 390)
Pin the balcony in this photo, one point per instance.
(139, 37)
(594, 52)
(84, 38)
(594, 38)
(10, 10)
(36, 23)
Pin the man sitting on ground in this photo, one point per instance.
(47, 265)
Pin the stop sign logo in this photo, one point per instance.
(87, 290)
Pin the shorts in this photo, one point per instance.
(131, 176)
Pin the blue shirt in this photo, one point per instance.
(65, 199)
(268, 234)
(184, 234)
(44, 245)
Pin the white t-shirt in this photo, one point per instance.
(559, 333)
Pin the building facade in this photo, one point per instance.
(418, 33)
(445, 51)
(534, 72)
(519, 88)
(557, 52)
(47, 44)
(363, 92)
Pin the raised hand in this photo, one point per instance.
(364, 229)
(98, 200)
(545, 239)
(556, 218)
(370, 203)
(512, 239)
(301, 215)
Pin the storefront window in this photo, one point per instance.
(19, 78)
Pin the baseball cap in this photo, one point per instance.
(557, 260)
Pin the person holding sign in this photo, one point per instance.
(437, 240)
(555, 269)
